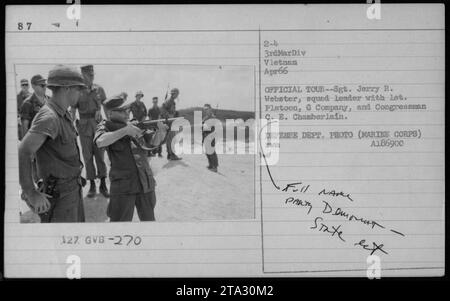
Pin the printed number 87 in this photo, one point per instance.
(20, 25)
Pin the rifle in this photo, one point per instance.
(152, 124)
(153, 136)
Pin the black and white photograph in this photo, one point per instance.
(222, 141)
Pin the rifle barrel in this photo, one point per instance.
(160, 120)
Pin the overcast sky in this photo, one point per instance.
(228, 87)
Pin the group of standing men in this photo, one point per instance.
(49, 151)
(167, 110)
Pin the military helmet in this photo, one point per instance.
(64, 76)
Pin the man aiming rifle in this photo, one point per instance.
(132, 181)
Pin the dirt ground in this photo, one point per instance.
(187, 191)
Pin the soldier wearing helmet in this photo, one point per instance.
(168, 110)
(52, 140)
(138, 107)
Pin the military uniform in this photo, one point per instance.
(59, 155)
(132, 181)
(21, 96)
(139, 110)
(154, 114)
(88, 105)
(31, 107)
(28, 111)
(168, 110)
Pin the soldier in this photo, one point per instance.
(52, 139)
(89, 110)
(23, 94)
(138, 107)
(132, 182)
(153, 114)
(33, 103)
(31, 106)
(213, 161)
(168, 110)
